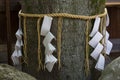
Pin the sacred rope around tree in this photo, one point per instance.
(60, 17)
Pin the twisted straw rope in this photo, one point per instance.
(101, 25)
(59, 35)
(25, 40)
(104, 33)
(87, 68)
(63, 15)
(40, 65)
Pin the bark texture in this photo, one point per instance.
(73, 36)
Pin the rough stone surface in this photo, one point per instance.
(10, 73)
(112, 71)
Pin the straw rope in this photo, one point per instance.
(104, 33)
(63, 15)
(59, 35)
(25, 40)
(40, 65)
(101, 25)
(87, 68)
(101, 31)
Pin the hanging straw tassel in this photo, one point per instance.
(40, 65)
(101, 25)
(87, 68)
(107, 58)
(59, 34)
(104, 33)
(101, 30)
(25, 41)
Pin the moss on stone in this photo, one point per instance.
(112, 71)
(10, 73)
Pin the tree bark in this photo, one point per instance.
(73, 36)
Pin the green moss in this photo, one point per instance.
(9, 73)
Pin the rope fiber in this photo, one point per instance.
(40, 65)
(63, 15)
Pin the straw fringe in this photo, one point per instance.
(25, 41)
(40, 65)
(59, 34)
(87, 68)
(104, 33)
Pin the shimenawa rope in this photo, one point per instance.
(60, 17)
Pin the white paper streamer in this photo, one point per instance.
(50, 60)
(101, 62)
(107, 20)
(107, 36)
(97, 51)
(18, 45)
(95, 27)
(95, 43)
(49, 66)
(17, 52)
(48, 38)
(46, 25)
(95, 40)
(108, 47)
(49, 49)
(21, 42)
(18, 35)
(15, 57)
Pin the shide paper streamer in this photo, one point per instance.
(101, 45)
(19, 43)
(50, 60)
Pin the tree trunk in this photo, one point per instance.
(73, 36)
